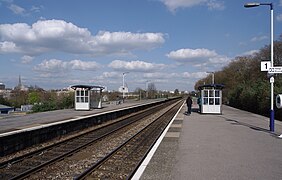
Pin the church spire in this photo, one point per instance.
(20, 86)
(20, 81)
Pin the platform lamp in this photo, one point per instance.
(212, 73)
(147, 88)
(250, 5)
(123, 74)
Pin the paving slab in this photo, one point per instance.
(234, 145)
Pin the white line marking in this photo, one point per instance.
(146, 161)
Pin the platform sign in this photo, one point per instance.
(264, 65)
(123, 89)
(273, 70)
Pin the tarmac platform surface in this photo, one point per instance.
(234, 145)
(9, 123)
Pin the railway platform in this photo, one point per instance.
(11, 123)
(234, 145)
(20, 132)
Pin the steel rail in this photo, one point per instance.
(36, 168)
(159, 120)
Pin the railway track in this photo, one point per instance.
(29, 164)
(122, 162)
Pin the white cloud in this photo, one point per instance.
(36, 9)
(181, 79)
(27, 59)
(53, 65)
(57, 66)
(136, 66)
(160, 75)
(215, 5)
(279, 18)
(58, 35)
(191, 54)
(129, 39)
(258, 38)
(199, 57)
(17, 9)
(111, 75)
(219, 60)
(250, 53)
(173, 5)
(195, 75)
(83, 65)
(8, 47)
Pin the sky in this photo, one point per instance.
(171, 43)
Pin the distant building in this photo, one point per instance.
(20, 86)
(6, 93)
(6, 109)
(26, 108)
(2, 86)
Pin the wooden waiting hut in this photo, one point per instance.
(211, 99)
(87, 97)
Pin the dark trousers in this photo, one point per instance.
(189, 109)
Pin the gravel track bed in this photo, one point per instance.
(57, 140)
(74, 165)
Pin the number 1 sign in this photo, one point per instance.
(264, 65)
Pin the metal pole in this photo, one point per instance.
(123, 88)
(212, 76)
(271, 123)
(123, 85)
(147, 89)
(250, 5)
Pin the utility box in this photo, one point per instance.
(87, 97)
(211, 99)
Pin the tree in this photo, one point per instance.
(140, 92)
(246, 87)
(66, 101)
(176, 92)
(4, 101)
(152, 90)
(33, 97)
(18, 98)
(112, 95)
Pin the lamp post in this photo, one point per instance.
(250, 5)
(212, 76)
(123, 74)
(147, 88)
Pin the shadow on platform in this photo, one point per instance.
(235, 122)
(194, 110)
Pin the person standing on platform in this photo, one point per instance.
(199, 102)
(189, 103)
